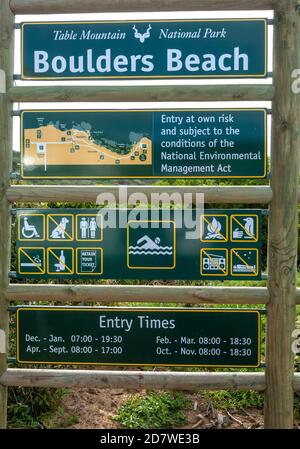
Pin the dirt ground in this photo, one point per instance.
(92, 408)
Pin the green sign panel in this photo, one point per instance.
(138, 336)
(156, 49)
(139, 244)
(222, 143)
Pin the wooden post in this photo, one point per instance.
(6, 67)
(283, 219)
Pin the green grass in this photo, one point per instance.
(153, 411)
(67, 421)
(297, 407)
(239, 400)
(234, 400)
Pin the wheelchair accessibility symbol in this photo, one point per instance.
(31, 227)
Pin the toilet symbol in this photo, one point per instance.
(88, 227)
(84, 226)
(93, 227)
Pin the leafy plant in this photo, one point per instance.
(27, 407)
(153, 411)
(297, 406)
(229, 400)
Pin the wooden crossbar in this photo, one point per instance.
(98, 6)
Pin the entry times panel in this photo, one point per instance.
(120, 336)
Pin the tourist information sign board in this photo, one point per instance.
(138, 336)
(138, 244)
(156, 49)
(162, 143)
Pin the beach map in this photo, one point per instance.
(87, 142)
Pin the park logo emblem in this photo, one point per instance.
(151, 244)
(142, 36)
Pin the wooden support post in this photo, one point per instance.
(283, 220)
(6, 67)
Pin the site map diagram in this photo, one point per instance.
(75, 139)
